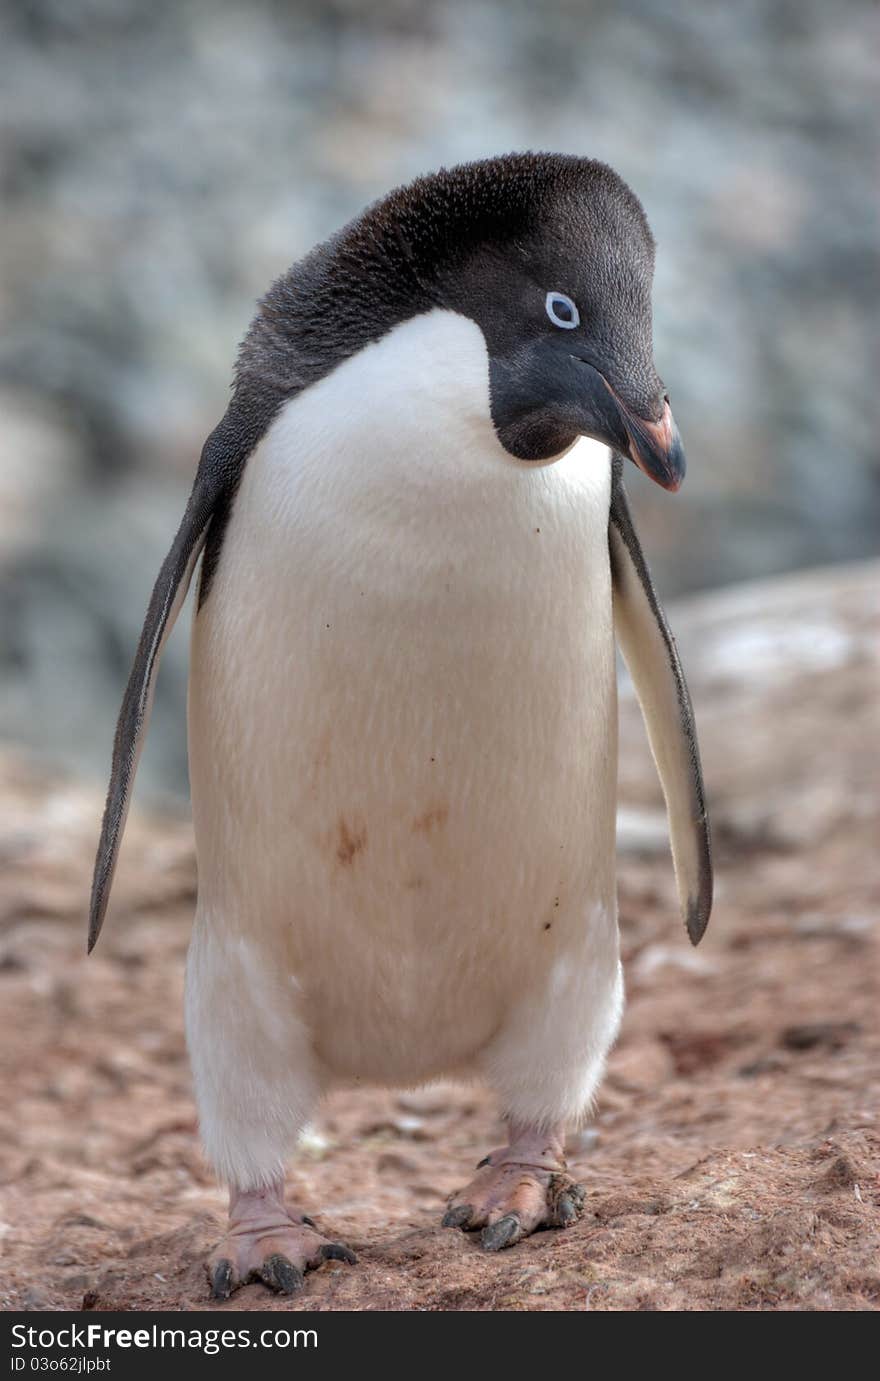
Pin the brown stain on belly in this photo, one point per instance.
(433, 819)
(350, 841)
(548, 924)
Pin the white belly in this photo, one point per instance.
(403, 715)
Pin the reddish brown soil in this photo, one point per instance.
(733, 1161)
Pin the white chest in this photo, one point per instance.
(384, 491)
(403, 713)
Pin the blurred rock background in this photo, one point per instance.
(161, 162)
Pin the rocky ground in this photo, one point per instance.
(734, 1160)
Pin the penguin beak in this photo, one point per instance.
(655, 447)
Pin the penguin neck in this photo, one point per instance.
(401, 435)
(410, 414)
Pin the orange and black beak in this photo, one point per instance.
(654, 447)
(651, 442)
(545, 395)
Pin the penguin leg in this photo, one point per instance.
(270, 1242)
(520, 1187)
(257, 1083)
(545, 1062)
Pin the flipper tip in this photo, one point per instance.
(96, 921)
(697, 918)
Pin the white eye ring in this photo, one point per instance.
(554, 302)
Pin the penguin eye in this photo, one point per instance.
(562, 311)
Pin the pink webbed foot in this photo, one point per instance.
(269, 1242)
(517, 1189)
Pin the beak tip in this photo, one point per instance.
(656, 448)
(676, 476)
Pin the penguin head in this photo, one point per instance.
(549, 254)
(556, 269)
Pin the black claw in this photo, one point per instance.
(569, 1206)
(566, 1211)
(457, 1217)
(487, 1160)
(281, 1275)
(501, 1234)
(221, 1280)
(337, 1251)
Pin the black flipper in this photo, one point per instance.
(220, 467)
(651, 656)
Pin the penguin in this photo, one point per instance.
(417, 561)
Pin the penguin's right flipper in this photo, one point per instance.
(650, 653)
(223, 457)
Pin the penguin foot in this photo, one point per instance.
(517, 1189)
(269, 1242)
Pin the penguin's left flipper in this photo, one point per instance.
(223, 457)
(651, 657)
